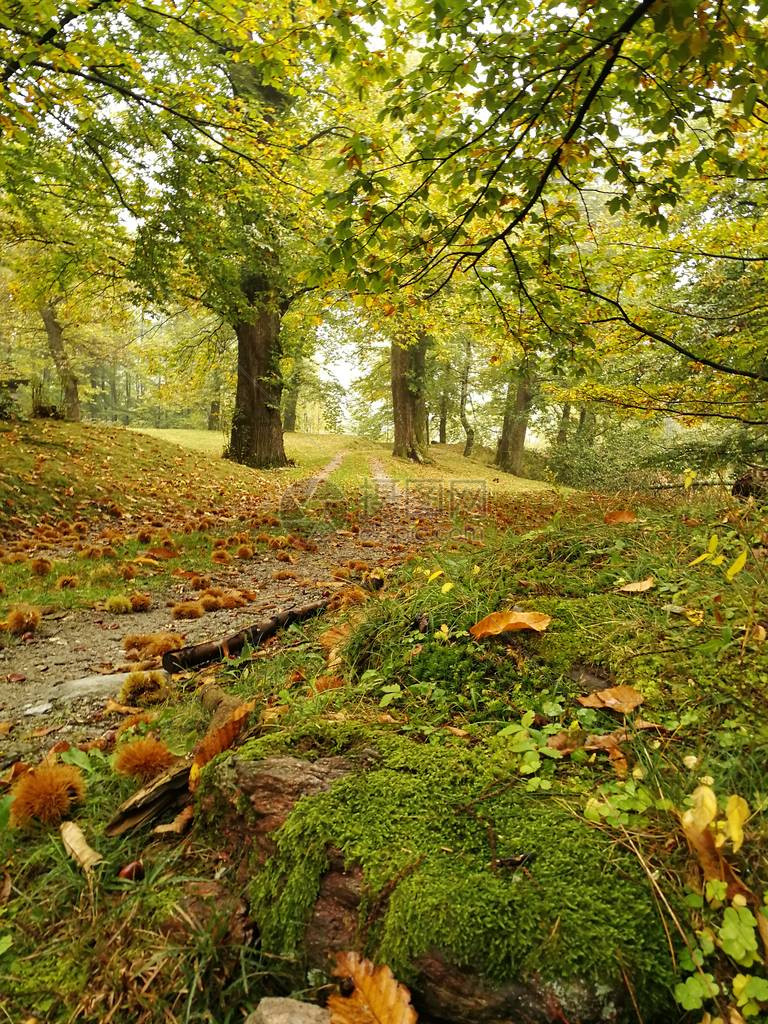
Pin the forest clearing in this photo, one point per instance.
(383, 512)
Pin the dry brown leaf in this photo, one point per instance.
(508, 622)
(455, 731)
(113, 708)
(611, 743)
(7, 886)
(376, 998)
(334, 637)
(218, 739)
(711, 861)
(621, 515)
(328, 682)
(16, 769)
(615, 698)
(638, 588)
(179, 825)
(77, 847)
(566, 741)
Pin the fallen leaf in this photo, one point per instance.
(621, 515)
(376, 997)
(218, 739)
(639, 587)
(454, 731)
(566, 741)
(736, 813)
(16, 769)
(44, 731)
(615, 698)
(610, 743)
(712, 863)
(113, 708)
(508, 622)
(5, 888)
(5, 728)
(704, 809)
(77, 847)
(179, 825)
(328, 682)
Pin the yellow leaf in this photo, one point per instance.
(508, 622)
(735, 568)
(713, 542)
(446, 587)
(736, 813)
(704, 810)
(376, 997)
(434, 575)
(702, 558)
(639, 587)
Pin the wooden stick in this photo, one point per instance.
(216, 650)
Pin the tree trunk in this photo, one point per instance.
(442, 434)
(69, 382)
(214, 415)
(257, 431)
(291, 397)
(585, 431)
(409, 406)
(257, 438)
(517, 408)
(469, 430)
(565, 420)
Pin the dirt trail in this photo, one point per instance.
(47, 683)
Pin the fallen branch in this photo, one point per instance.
(216, 650)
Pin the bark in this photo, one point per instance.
(69, 383)
(586, 428)
(216, 650)
(409, 405)
(257, 430)
(442, 434)
(517, 409)
(291, 399)
(565, 420)
(214, 415)
(469, 430)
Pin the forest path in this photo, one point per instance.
(55, 682)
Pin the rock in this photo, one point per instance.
(446, 892)
(38, 709)
(104, 686)
(288, 1011)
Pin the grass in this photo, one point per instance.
(443, 709)
(310, 452)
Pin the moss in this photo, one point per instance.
(48, 980)
(423, 815)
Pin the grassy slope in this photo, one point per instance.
(691, 645)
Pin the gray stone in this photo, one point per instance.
(38, 709)
(102, 685)
(288, 1011)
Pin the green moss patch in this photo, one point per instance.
(505, 883)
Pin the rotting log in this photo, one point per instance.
(231, 646)
(444, 991)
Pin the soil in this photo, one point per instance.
(54, 684)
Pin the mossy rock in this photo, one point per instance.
(454, 861)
